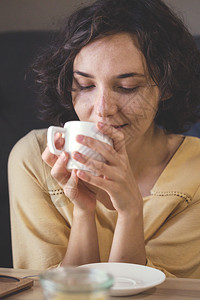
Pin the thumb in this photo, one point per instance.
(71, 189)
(116, 136)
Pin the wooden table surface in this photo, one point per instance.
(171, 289)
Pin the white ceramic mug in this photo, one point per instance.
(69, 132)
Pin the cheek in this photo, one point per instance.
(141, 109)
(82, 106)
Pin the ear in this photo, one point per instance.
(166, 96)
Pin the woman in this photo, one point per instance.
(132, 68)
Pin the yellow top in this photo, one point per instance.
(41, 215)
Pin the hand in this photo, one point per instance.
(81, 196)
(115, 176)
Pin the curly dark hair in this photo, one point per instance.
(172, 58)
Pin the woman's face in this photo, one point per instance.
(111, 85)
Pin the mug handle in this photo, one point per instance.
(50, 138)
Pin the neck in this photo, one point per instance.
(149, 151)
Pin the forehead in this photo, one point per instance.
(117, 53)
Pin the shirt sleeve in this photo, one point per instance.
(39, 231)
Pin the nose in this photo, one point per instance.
(106, 104)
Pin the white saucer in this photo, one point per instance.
(130, 279)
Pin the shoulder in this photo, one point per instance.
(192, 141)
(188, 166)
(181, 176)
(29, 147)
(190, 150)
(33, 138)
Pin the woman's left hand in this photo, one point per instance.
(115, 175)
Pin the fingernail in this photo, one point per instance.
(74, 171)
(82, 174)
(79, 138)
(58, 139)
(100, 124)
(58, 135)
(77, 155)
(63, 156)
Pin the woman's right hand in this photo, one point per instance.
(75, 189)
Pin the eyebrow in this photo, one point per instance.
(125, 75)
(83, 74)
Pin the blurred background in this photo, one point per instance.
(45, 14)
(25, 28)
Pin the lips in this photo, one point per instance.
(119, 126)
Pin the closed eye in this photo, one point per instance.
(81, 87)
(127, 90)
(77, 86)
